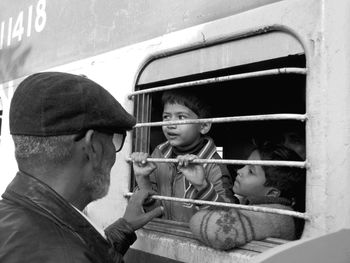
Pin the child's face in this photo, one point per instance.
(181, 136)
(250, 179)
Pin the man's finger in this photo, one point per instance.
(157, 212)
(140, 220)
(141, 195)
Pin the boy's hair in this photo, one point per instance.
(187, 98)
(289, 180)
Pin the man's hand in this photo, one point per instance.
(193, 172)
(134, 213)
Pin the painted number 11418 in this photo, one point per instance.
(15, 29)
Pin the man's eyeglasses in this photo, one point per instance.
(118, 138)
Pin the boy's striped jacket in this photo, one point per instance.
(168, 181)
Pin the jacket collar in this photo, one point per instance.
(206, 152)
(257, 200)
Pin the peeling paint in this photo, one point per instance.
(203, 37)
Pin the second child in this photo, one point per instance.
(268, 186)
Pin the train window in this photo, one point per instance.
(266, 91)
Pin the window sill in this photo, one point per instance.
(175, 242)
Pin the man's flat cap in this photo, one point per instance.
(56, 103)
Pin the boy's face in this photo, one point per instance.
(181, 136)
(250, 179)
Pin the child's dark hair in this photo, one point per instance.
(289, 180)
(188, 98)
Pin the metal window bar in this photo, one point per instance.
(229, 205)
(142, 115)
(297, 164)
(266, 117)
(261, 73)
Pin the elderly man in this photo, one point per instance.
(67, 130)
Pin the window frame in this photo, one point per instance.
(143, 144)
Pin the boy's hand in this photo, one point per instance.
(142, 168)
(193, 172)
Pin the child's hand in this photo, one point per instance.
(193, 172)
(142, 168)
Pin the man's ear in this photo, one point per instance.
(205, 128)
(92, 147)
(273, 192)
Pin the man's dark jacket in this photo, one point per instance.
(38, 225)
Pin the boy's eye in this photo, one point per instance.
(183, 116)
(165, 117)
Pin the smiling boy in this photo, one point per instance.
(185, 142)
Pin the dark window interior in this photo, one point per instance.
(284, 93)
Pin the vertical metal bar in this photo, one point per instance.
(149, 113)
(138, 118)
(143, 132)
